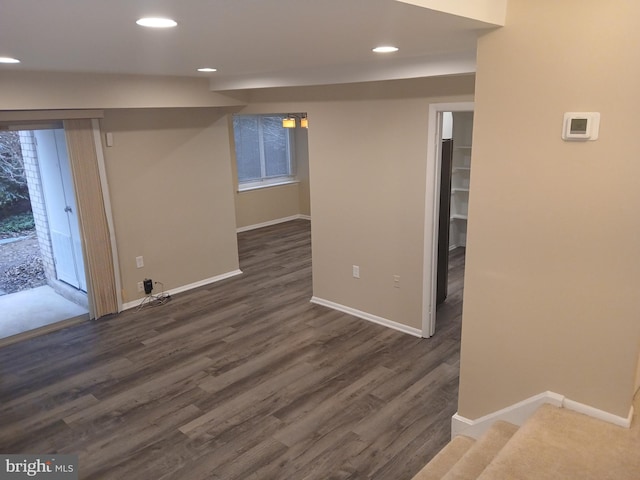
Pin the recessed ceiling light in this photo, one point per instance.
(207, 69)
(156, 22)
(9, 60)
(385, 49)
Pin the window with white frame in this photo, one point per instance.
(264, 151)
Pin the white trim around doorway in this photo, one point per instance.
(432, 208)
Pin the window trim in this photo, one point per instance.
(272, 182)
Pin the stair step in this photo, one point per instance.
(445, 459)
(476, 459)
(558, 443)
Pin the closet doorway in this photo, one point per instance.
(455, 172)
(448, 187)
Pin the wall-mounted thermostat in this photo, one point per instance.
(581, 126)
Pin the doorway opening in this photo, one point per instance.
(448, 186)
(49, 285)
(270, 168)
(455, 169)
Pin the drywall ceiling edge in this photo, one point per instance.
(489, 11)
(440, 65)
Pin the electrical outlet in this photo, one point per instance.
(396, 281)
(356, 271)
(140, 287)
(139, 262)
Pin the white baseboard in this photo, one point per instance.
(184, 288)
(273, 222)
(599, 414)
(519, 412)
(368, 316)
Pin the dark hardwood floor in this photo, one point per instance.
(242, 379)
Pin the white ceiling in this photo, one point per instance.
(252, 43)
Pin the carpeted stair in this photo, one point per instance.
(445, 459)
(555, 443)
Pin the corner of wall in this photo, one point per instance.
(518, 413)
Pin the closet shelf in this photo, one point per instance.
(459, 189)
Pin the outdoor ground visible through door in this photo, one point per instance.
(20, 262)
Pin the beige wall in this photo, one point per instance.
(254, 207)
(553, 260)
(367, 162)
(302, 156)
(368, 194)
(169, 175)
(20, 90)
(636, 386)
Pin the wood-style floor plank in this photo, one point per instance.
(242, 379)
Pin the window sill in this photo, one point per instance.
(249, 188)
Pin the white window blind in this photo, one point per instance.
(263, 150)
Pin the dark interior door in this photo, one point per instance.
(443, 223)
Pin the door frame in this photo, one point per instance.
(432, 210)
(58, 191)
(36, 119)
(106, 197)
